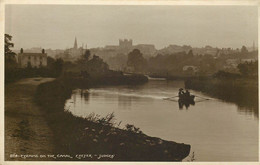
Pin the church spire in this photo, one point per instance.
(75, 44)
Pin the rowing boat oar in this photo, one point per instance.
(169, 97)
(202, 97)
(174, 100)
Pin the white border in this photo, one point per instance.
(106, 2)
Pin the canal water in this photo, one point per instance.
(216, 130)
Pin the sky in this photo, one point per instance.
(56, 26)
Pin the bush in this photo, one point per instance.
(133, 129)
(226, 75)
(108, 120)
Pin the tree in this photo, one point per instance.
(87, 55)
(96, 66)
(248, 69)
(8, 45)
(190, 53)
(136, 60)
(58, 67)
(244, 50)
(84, 58)
(50, 62)
(10, 60)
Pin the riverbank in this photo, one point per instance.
(76, 80)
(99, 138)
(177, 77)
(26, 130)
(243, 92)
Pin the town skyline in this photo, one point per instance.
(98, 26)
(85, 45)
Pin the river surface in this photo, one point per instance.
(216, 130)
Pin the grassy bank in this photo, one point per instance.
(243, 92)
(95, 136)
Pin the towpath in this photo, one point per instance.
(26, 131)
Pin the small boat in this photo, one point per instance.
(187, 99)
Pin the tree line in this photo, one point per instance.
(206, 65)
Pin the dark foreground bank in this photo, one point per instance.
(95, 138)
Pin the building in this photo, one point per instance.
(190, 70)
(231, 63)
(124, 47)
(190, 67)
(116, 55)
(125, 44)
(34, 60)
(248, 60)
(146, 49)
(175, 49)
(75, 51)
(72, 54)
(51, 52)
(253, 48)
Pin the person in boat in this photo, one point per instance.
(180, 94)
(187, 93)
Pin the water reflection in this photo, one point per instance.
(84, 94)
(245, 98)
(247, 111)
(124, 102)
(233, 136)
(185, 103)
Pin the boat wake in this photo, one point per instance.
(127, 94)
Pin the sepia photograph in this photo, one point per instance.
(130, 83)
